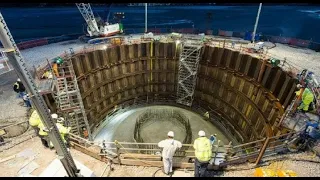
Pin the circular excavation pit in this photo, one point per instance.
(244, 96)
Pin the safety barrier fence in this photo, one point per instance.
(119, 151)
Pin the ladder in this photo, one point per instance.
(69, 101)
(188, 68)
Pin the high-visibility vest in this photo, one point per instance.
(16, 84)
(63, 130)
(55, 69)
(203, 149)
(85, 133)
(34, 119)
(307, 96)
(41, 129)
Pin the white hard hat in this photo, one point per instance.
(299, 86)
(18, 79)
(170, 134)
(60, 120)
(201, 133)
(54, 116)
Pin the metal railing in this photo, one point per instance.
(253, 151)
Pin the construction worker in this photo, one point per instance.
(43, 134)
(85, 132)
(213, 138)
(62, 129)
(55, 69)
(207, 115)
(19, 88)
(34, 121)
(47, 75)
(203, 153)
(307, 98)
(26, 100)
(54, 117)
(232, 44)
(169, 148)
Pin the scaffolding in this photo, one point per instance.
(188, 68)
(69, 101)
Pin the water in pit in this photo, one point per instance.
(121, 127)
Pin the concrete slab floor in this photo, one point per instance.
(121, 127)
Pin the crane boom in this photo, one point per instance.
(87, 14)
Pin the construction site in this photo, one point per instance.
(121, 94)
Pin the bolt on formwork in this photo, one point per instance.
(188, 68)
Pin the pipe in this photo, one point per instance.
(255, 26)
(146, 17)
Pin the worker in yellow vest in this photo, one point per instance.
(43, 134)
(307, 98)
(203, 153)
(35, 120)
(64, 131)
(61, 128)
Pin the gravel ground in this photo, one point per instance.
(10, 108)
(298, 57)
(285, 162)
(38, 55)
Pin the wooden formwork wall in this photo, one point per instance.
(121, 74)
(227, 82)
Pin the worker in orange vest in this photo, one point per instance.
(55, 69)
(85, 132)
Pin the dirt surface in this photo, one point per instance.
(10, 108)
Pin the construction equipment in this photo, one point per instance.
(256, 47)
(259, 172)
(38, 102)
(68, 99)
(274, 170)
(93, 29)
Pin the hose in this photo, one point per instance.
(154, 174)
(104, 170)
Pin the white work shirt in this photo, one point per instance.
(169, 147)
